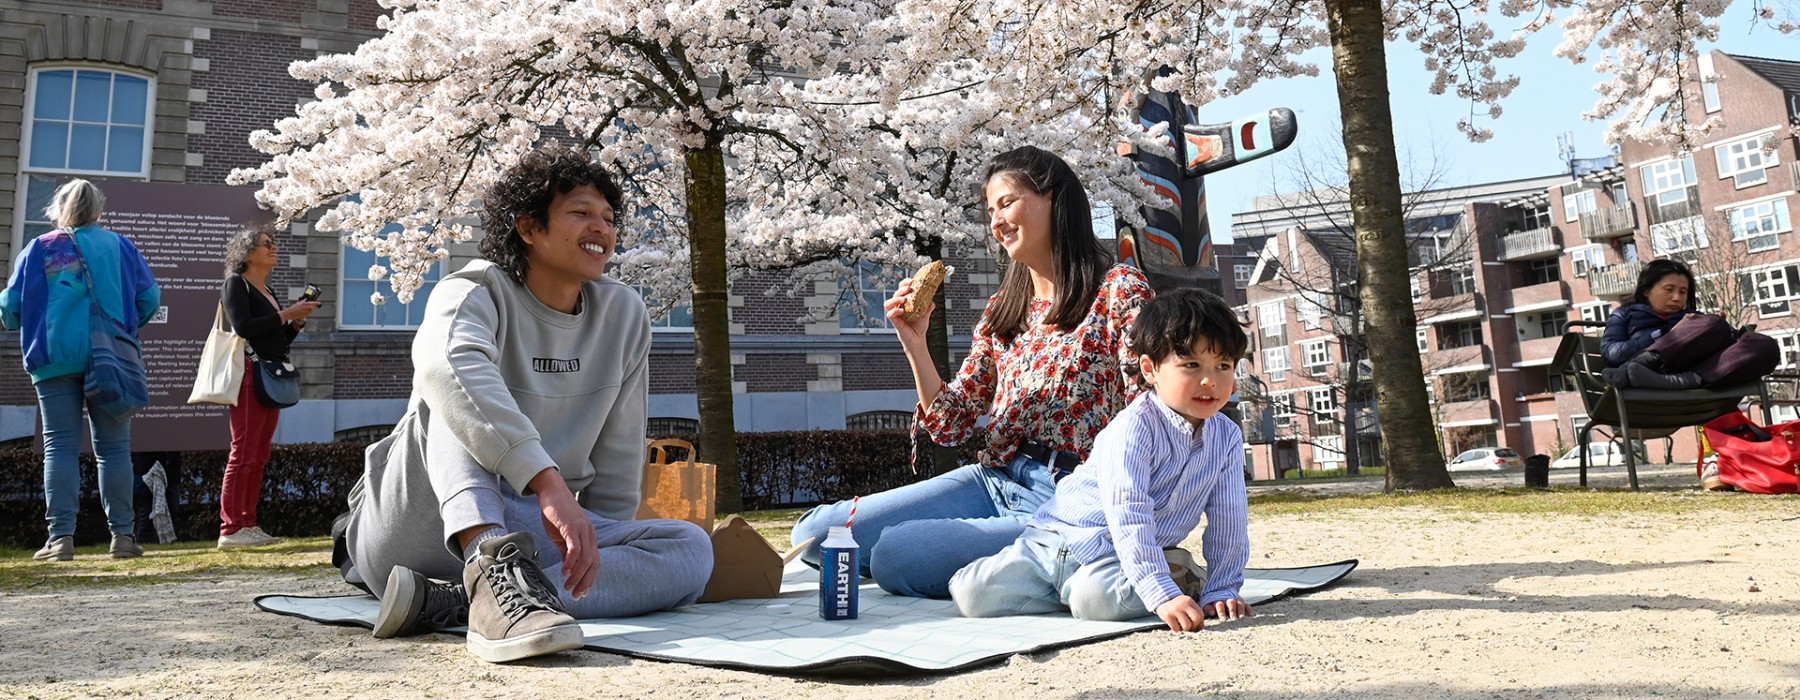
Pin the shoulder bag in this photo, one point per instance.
(115, 380)
(221, 371)
(1754, 458)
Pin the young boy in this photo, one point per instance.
(1097, 547)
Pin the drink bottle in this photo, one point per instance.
(839, 575)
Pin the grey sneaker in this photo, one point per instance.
(513, 609)
(1189, 576)
(126, 547)
(58, 548)
(413, 604)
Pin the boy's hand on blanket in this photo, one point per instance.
(568, 526)
(1228, 610)
(1182, 614)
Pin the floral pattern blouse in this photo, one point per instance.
(1056, 388)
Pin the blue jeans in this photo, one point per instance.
(1038, 575)
(915, 537)
(60, 401)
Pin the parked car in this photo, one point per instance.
(1487, 459)
(1601, 454)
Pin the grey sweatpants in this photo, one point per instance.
(1037, 575)
(410, 507)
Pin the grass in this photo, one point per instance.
(187, 561)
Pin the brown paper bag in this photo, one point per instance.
(744, 564)
(678, 490)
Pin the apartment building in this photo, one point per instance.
(1498, 270)
(157, 98)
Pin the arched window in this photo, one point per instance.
(879, 420)
(367, 433)
(80, 121)
(663, 427)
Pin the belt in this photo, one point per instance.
(1060, 462)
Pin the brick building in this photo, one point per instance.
(167, 91)
(1497, 269)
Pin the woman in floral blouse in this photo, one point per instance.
(1043, 367)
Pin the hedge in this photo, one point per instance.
(305, 485)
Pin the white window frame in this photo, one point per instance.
(1577, 203)
(1309, 312)
(1462, 275)
(1240, 273)
(1423, 339)
(666, 323)
(1324, 447)
(1271, 315)
(1789, 341)
(1319, 408)
(1668, 176)
(1281, 406)
(1596, 312)
(1678, 236)
(435, 275)
(1769, 285)
(26, 171)
(875, 318)
(1586, 258)
(1770, 219)
(1743, 160)
(1276, 363)
(1315, 354)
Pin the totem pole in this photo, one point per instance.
(1174, 249)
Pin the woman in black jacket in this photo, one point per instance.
(1658, 341)
(267, 328)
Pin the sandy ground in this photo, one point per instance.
(1445, 605)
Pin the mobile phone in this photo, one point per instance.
(311, 294)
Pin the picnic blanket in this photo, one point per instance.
(893, 635)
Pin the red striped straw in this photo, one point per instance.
(853, 500)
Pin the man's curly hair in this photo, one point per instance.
(526, 190)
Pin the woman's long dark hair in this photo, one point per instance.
(1654, 272)
(1080, 261)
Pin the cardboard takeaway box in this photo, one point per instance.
(744, 564)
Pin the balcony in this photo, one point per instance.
(1466, 413)
(1456, 307)
(1469, 358)
(1609, 223)
(1662, 213)
(1368, 422)
(1365, 372)
(1530, 245)
(1544, 296)
(1614, 281)
(1537, 351)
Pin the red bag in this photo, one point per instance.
(1753, 458)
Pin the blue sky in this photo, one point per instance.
(1549, 100)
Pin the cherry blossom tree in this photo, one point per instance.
(835, 159)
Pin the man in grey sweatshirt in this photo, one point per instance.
(517, 467)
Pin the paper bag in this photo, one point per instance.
(744, 564)
(678, 490)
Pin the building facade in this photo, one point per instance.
(167, 91)
(1499, 269)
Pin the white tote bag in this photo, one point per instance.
(221, 370)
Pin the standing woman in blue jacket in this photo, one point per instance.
(47, 301)
(1658, 340)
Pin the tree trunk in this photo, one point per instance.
(712, 320)
(1359, 59)
(937, 340)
